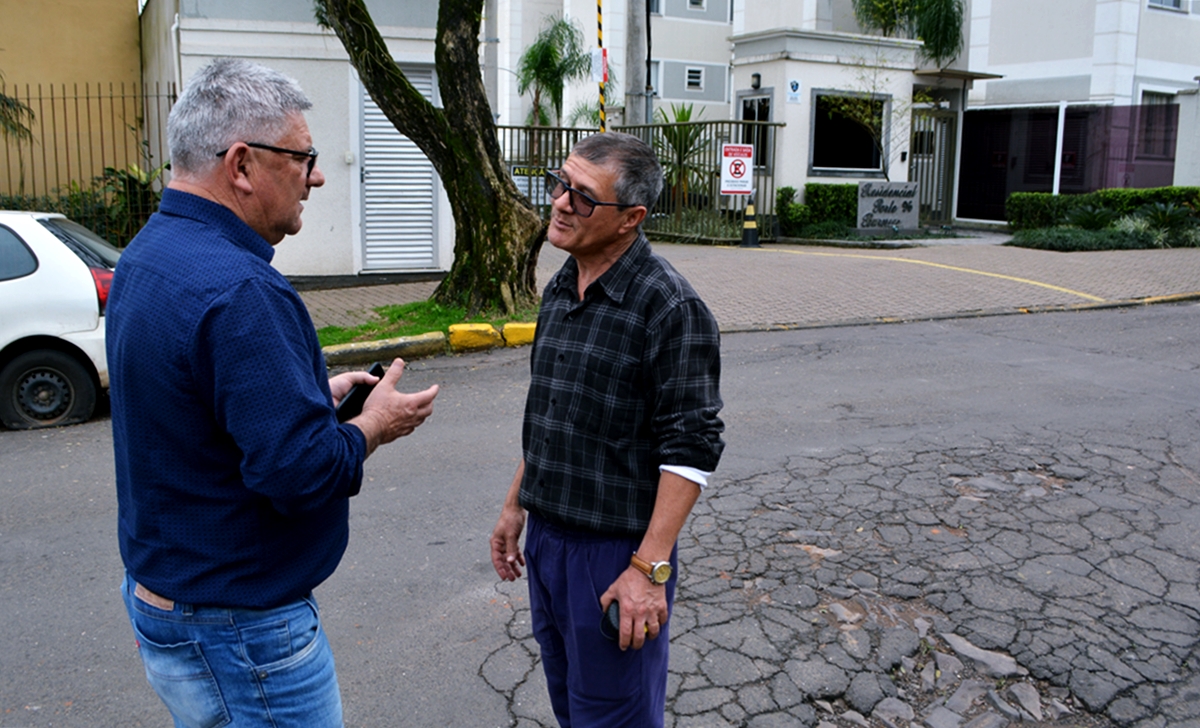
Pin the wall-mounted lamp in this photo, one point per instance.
(755, 81)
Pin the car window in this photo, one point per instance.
(93, 249)
(16, 260)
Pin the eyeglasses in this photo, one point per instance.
(311, 154)
(581, 203)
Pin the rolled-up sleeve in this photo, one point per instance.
(685, 357)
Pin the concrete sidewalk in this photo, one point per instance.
(787, 286)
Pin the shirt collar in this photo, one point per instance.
(616, 280)
(231, 227)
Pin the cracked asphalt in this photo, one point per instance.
(1032, 560)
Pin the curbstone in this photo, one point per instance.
(474, 337)
(518, 334)
(408, 347)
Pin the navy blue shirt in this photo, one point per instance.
(624, 381)
(233, 475)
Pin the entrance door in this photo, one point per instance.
(931, 165)
(399, 191)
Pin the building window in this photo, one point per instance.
(847, 133)
(695, 79)
(696, 4)
(757, 108)
(655, 6)
(1175, 4)
(1156, 126)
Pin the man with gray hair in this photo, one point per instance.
(621, 433)
(233, 473)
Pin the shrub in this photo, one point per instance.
(1070, 240)
(1091, 217)
(828, 229)
(1026, 210)
(832, 203)
(1029, 210)
(791, 215)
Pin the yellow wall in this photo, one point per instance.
(69, 41)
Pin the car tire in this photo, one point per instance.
(45, 388)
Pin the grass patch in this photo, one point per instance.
(412, 319)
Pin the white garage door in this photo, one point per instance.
(399, 191)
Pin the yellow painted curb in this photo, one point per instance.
(518, 334)
(473, 337)
(406, 347)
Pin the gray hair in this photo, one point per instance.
(639, 175)
(229, 100)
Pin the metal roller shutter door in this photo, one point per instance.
(399, 191)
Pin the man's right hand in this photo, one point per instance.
(389, 414)
(507, 558)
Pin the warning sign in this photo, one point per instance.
(737, 169)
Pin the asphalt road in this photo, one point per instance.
(425, 636)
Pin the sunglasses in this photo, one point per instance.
(311, 154)
(581, 203)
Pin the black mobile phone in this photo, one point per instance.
(610, 621)
(352, 404)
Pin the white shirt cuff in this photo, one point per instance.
(699, 477)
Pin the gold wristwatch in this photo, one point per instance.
(658, 572)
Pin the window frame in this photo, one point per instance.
(18, 273)
(885, 101)
(699, 5)
(687, 78)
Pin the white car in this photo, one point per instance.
(54, 281)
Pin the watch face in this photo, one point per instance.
(661, 573)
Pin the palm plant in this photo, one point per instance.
(679, 145)
(555, 57)
(15, 118)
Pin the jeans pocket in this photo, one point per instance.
(294, 669)
(181, 676)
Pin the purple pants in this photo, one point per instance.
(591, 681)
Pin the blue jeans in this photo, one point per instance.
(238, 667)
(592, 683)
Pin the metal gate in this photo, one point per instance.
(931, 164)
(399, 191)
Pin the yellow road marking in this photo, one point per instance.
(1060, 289)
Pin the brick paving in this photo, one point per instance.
(795, 285)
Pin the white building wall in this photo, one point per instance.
(1086, 51)
(330, 242)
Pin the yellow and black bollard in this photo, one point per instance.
(750, 227)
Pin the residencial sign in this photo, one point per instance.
(887, 205)
(737, 169)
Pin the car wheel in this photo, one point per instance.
(45, 388)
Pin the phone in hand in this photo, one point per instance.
(610, 621)
(352, 404)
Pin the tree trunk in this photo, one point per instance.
(498, 234)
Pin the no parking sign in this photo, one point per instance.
(737, 169)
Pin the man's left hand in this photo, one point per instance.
(643, 607)
(340, 385)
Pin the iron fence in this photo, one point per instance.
(91, 152)
(691, 206)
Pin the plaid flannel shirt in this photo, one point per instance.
(624, 381)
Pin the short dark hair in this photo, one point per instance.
(639, 175)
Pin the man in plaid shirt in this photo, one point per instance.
(621, 432)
